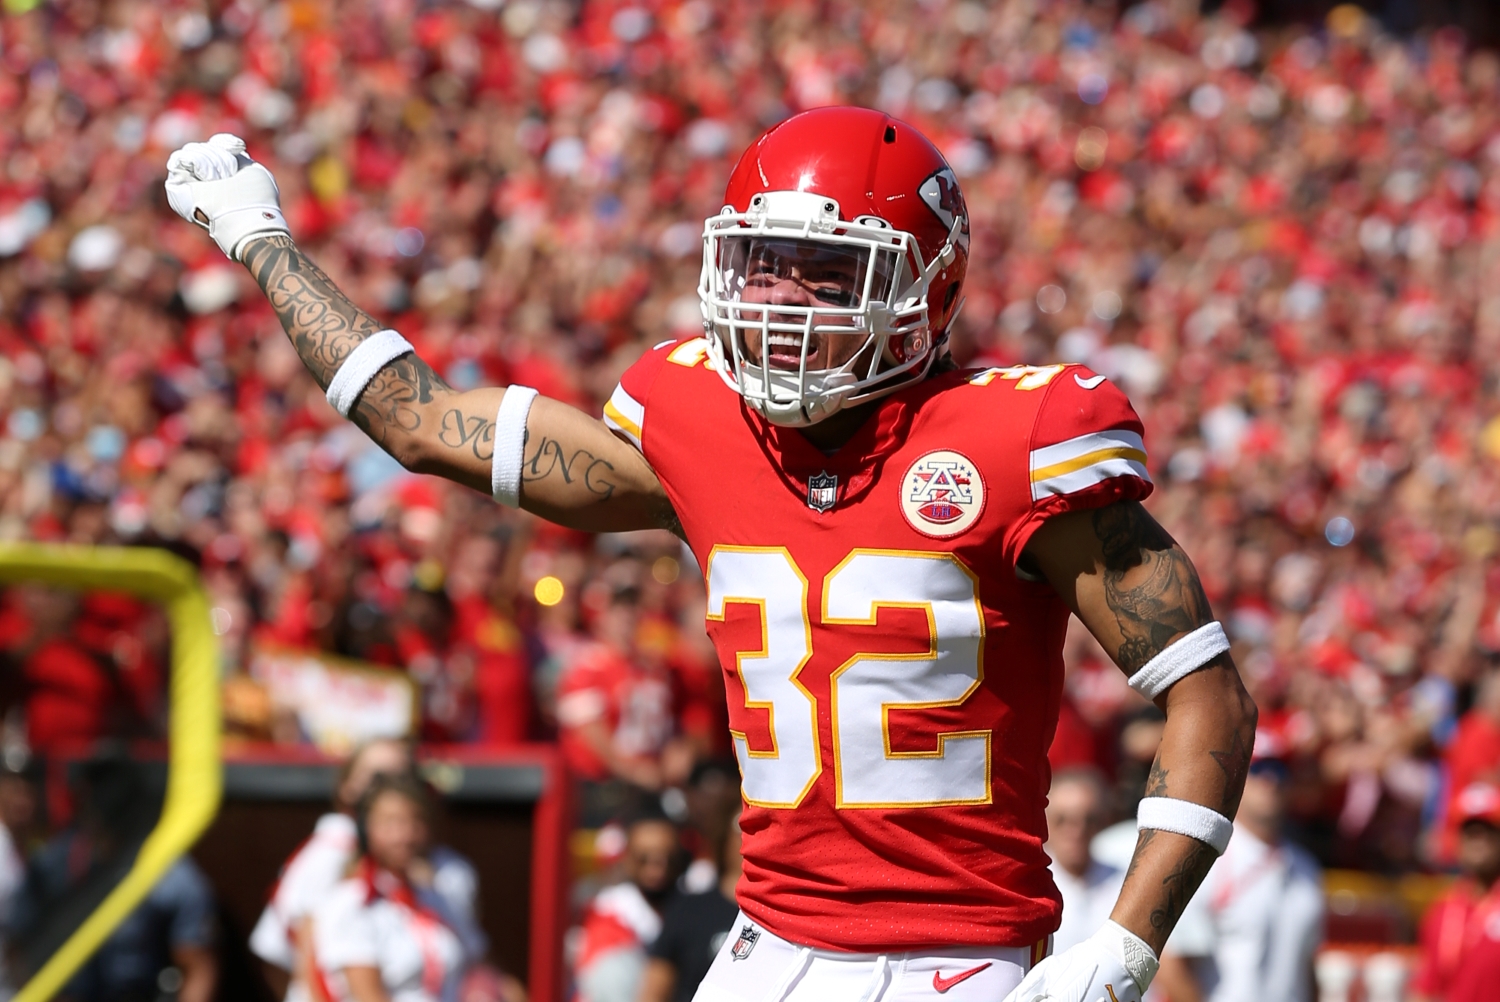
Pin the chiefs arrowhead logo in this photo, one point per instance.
(941, 194)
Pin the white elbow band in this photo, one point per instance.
(1185, 818)
(510, 441)
(1183, 656)
(373, 354)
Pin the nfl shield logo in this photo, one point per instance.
(822, 490)
(742, 946)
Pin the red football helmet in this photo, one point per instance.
(839, 223)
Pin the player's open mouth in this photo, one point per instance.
(786, 351)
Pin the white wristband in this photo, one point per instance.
(1185, 818)
(1183, 656)
(373, 354)
(510, 441)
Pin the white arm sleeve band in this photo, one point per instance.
(510, 440)
(373, 354)
(1185, 818)
(1183, 656)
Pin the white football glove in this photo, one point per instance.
(1112, 965)
(238, 196)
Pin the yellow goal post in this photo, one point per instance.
(194, 773)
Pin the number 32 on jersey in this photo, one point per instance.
(868, 773)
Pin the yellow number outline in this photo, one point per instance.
(764, 652)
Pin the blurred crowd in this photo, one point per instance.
(1282, 242)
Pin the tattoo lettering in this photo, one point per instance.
(461, 430)
(582, 467)
(325, 327)
(1148, 583)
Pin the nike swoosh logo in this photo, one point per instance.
(941, 984)
(1087, 384)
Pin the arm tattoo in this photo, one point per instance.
(1141, 841)
(1156, 783)
(1181, 883)
(582, 467)
(462, 430)
(1156, 786)
(1149, 584)
(1235, 762)
(325, 327)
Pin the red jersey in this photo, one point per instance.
(632, 701)
(893, 682)
(1451, 930)
(1476, 977)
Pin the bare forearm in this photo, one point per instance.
(325, 327)
(1138, 593)
(1203, 758)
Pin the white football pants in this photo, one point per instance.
(774, 970)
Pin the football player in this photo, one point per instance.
(891, 546)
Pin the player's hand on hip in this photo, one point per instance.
(215, 185)
(1113, 965)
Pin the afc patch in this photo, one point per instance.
(749, 936)
(942, 494)
(822, 491)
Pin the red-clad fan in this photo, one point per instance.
(1460, 934)
(614, 710)
(892, 547)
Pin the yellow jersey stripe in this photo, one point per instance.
(629, 427)
(1088, 459)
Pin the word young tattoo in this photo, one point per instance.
(582, 467)
(460, 430)
(1149, 584)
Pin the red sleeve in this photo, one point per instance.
(625, 412)
(1086, 450)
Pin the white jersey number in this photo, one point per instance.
(867, 687)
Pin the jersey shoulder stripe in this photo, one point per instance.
(625, 411)
(625, 414)
(1081, 462)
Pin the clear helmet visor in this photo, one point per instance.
(812, 273)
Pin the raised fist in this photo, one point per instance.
(215, 185)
